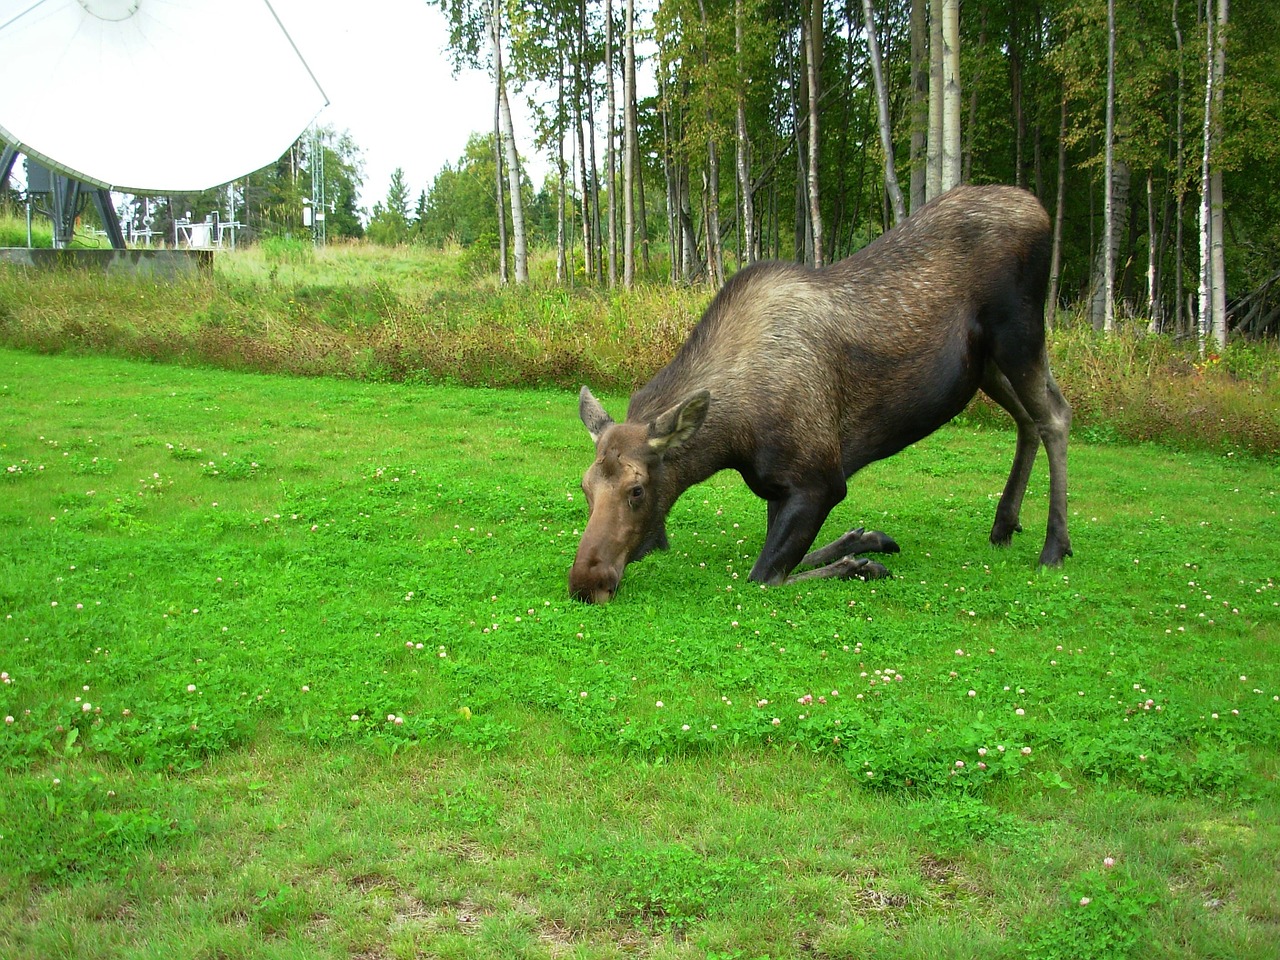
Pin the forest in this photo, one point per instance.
(1148, 128)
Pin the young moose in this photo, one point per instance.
(798, 378)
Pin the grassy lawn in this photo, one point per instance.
(292, 672)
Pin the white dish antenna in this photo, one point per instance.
(152, 96)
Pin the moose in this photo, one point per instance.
(797, 378)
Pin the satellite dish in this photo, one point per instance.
(152, 96)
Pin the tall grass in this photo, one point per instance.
(359, 312)
(13, 230)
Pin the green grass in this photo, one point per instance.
(293, 673)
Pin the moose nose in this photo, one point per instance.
(593, 582)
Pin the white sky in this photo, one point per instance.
(389, 79)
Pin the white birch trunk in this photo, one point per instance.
(1217, 261)
(611, 136)
(882, 111)
(747, 216)
(629, 150)
(814, 51)
(1055, 258)
(519, 241)
(1108, 203)
(1153, 295)
(1206, 229)
(951, 106)
(933, 148)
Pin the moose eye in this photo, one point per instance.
(635, 495)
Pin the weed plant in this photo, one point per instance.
(289, 669)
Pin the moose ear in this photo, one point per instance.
(592, 414)
(681, 422)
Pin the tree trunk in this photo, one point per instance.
(711, 176)
(562, 261)
(1213, 319)
(933, 180)
(1098, 297)
(591, 179)
(579, 97)
(1055, 260)
(499, 198)
(800, 127)
(919, 101)
(748, 211)
(499, 191)
(1180, 185)
(629, 150)
(891, 187)
(951, 95)
(669, 174)
(1015, 81)
(611, 136)
(1153, 290)
(1108, 198)
(1216, 208)
(813, 41)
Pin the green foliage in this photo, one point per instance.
(670, 886)
(287, 250)
(1104, 915)
(79, 826)
(390, 224)
(13, 231)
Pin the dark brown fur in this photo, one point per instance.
(812, 375)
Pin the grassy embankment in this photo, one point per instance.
(367, 313)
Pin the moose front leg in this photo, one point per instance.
(854, 542)
(839, 559)
(845, 568)
(794, 521)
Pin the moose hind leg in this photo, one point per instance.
(997, 386)
(1040, 397)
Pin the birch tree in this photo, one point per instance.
(611, 137)
(811, 31)
(1108, 209)
(629, 148)
(933, 149)
(1213, 309)
(474, 25)
(747, 215)
(951, 100)
(882, 111)
(919, 100)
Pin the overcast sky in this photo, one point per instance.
(389, 79)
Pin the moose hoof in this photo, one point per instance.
(845, 568)
(876, 542)
(1054, 553)
(860, 568)
(1002, 534)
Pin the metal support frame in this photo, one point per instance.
(8, 157)
(64, 202)
(319, 236)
